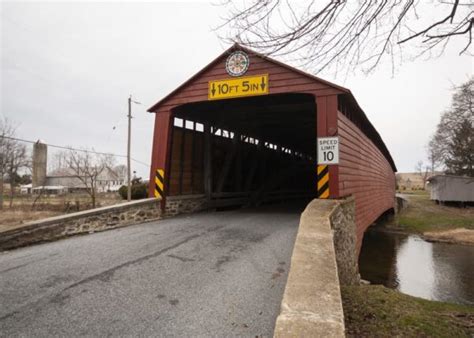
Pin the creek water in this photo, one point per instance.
(435, 271)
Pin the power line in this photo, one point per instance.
(75, 149)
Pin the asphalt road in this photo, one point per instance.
(218, 274)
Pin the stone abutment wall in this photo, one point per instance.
(343, 225)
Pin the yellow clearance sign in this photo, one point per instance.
(242, 86)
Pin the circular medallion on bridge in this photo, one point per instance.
(237, 63)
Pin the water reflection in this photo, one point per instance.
(415, 268)
(454, 275)
(434, 271)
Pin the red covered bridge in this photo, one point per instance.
(248, 130)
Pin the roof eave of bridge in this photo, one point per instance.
(377, 138)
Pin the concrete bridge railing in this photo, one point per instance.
(324, 256)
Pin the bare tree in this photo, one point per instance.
(17, 161)
(86, 166)
(6, 131)
(13, 158)
(435, 154)
(58, 160)
(344, 33)
(423, 171)
(121, 171)
(398, 181)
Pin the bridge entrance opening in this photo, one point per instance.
(246, 151)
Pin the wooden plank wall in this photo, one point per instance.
(186, 174)
(365, 173)
(187, 165)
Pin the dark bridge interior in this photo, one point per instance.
(245, 151)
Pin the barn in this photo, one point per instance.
(249, 130)
(451, 188)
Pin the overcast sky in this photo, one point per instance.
(67, 70)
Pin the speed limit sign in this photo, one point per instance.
(328, 150)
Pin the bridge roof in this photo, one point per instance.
(346, 94)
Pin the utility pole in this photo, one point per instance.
(129, 146)
(129, 186)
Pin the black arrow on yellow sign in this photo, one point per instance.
(263, 83)
(213, 90)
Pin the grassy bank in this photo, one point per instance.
(376, 311)
(424, 215)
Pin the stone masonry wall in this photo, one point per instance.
(99, 219)
(343, 224)
(184, 204)
(401, 203)
(88, 221)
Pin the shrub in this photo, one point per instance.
(139, 191)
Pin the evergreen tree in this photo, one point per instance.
(452, 145)
(460, 155)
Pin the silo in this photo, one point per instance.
(40, 156)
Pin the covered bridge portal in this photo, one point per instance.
(244, 131)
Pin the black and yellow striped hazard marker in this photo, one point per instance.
(323, 181)
(159, 183)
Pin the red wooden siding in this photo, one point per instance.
(160, 150)
(364, 173)
(326, 107)
(281, 80)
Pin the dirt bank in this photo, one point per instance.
(457, 236)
